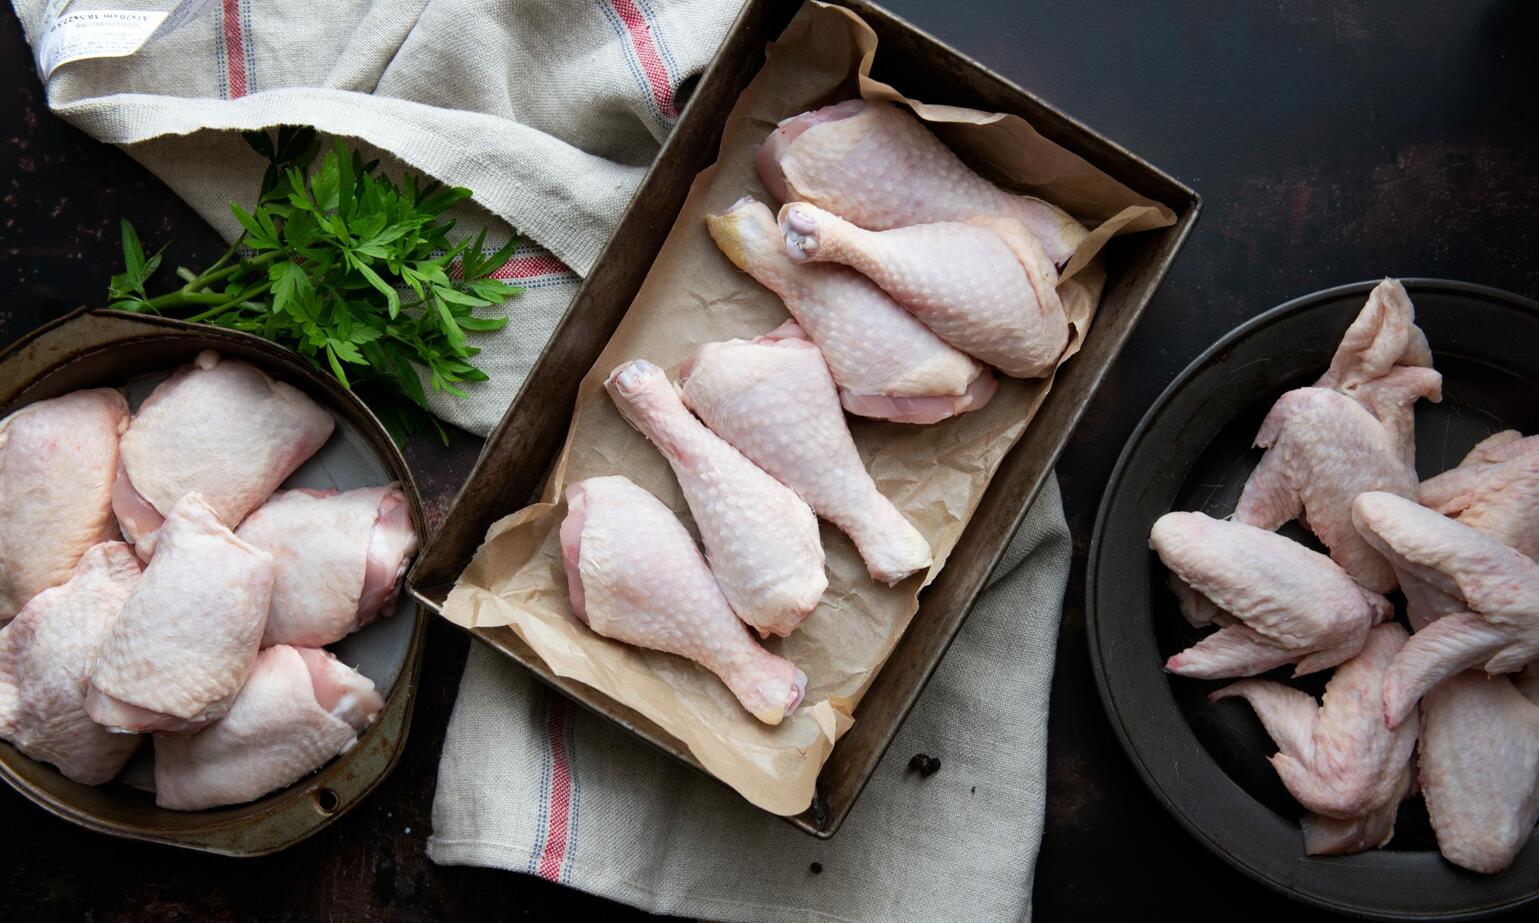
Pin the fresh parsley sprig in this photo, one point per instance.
(339, 264)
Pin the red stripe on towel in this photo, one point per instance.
(646, 52)
(528, 267)
(234, 49)
(560, 795)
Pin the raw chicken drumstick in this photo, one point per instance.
(1278, 602)
(337, 560)
(984, 285)
(1322, 450)
(888, 364)
(57, 459)
(1338, 758)
(179, 651)
(1351, 432)
(300, 708)
(221, 428)
(45, 654)
(635, 575)
(878, 166)
(774, 399)
(1480, 769)
(1495, 587)
(760, 537)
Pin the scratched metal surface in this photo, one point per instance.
(1331, 140)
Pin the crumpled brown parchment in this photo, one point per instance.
(935, 474)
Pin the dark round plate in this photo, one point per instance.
(1192, 451)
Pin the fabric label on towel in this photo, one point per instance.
(93, 34)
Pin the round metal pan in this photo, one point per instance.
(95, 348)
(1207, 762)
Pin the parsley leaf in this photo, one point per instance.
(349, 269)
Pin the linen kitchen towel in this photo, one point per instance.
(533, 783)
(550, 110)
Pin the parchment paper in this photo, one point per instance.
(935, 474)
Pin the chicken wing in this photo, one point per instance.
(1278, 602)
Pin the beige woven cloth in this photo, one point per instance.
(551, 111)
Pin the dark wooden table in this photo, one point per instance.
(1332, 141)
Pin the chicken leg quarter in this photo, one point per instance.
(635, 575)
(760, 537)
(888, 364)
(984, 285)
(878, 166)
(773, 399)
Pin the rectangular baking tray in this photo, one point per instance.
(519, 454)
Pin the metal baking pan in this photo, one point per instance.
(1194, 451)
(98, 348)
(518, 456)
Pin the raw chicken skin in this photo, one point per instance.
(774, 399)
(876, 165)
(1341, 836)
(760, 537)
(888, 364)
(57, 459)
(1337, 757)
(1383, 363)
(1323, 449)
(338, 560)
(635, 575)
(45, 654)
(218, 427)
(1480, 769)
(1278, 601)
(1495, 490)
(300, 708)
(984, 285)
(182, 646)
(1497, 587)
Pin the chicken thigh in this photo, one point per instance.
(984, 285)
(338, 560)
(760, 537)
(635, 575)
(1278, 602)
(1480, 769)
(221, 428)
(45, 654)
(300, 708)
(57, 459)
(774, 399)
(888, 365)
(182, 646)
(1496, 588)
(1322, 450)
(1337, 757)
(878, 166)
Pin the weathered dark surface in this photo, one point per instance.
(1332, 140)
